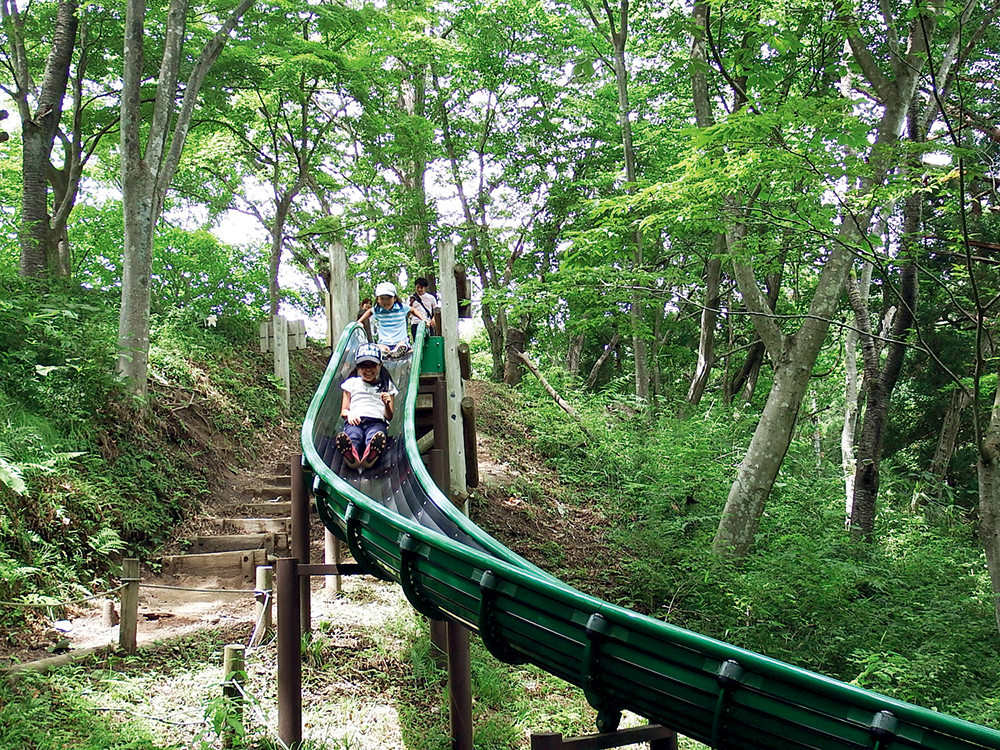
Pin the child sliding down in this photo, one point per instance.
(367, 408)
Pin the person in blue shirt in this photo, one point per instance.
(390, 316)
(367, 407)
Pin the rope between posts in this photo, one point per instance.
(201, 591)
(66, 603)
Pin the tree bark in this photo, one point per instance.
(794, 356)
(515, 350)
(39, 244)
(852, 402)
(880, 383)
(146, 174)
(595, 371)
(988, 470)
(709, 316)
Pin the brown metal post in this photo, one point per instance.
(460, 686)
(300, 537)
(440, 419)
(546, 741)
(289, 653)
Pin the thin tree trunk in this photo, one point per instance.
(852, 401)
(563, 404)
(573, 354)
(595, 371)
(988, 470)
(879, 391)
(709, 316)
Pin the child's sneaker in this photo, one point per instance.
(374, 450)
(348, 451)
(399, 350)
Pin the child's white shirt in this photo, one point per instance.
(366, 399)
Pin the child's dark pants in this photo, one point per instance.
(361, 434)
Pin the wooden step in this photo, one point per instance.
(256, 525)
(269, 509)
(233, 542)
(235, 564)
(267, 492)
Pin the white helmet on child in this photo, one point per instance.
(385, 289)
(368, 353)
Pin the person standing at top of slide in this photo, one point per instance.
(390, 315)
(427, 303)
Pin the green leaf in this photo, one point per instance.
(10, 475)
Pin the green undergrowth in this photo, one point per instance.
(86, 474)
(909, 615)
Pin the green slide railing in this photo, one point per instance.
(400, 527)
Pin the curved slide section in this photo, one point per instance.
(402, 528)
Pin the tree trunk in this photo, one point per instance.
(514, 369)
(852, 402)
(948, 437)
(709, 316)
(146, 173)
(879, 391)
(137, 265)
(595, 371)
(759, 468)
(39, 244)
(988, 469)
(573, 353)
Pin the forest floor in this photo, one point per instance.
(519, 500)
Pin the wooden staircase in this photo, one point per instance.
(251, 530)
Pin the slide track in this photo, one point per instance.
(401, 527)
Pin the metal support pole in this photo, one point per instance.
(460, 686)
(300, 536)
(289, 653)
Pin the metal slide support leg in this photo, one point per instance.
(289, 654)
(300, 537)
(460, 686)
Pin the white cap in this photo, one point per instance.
(385, 289)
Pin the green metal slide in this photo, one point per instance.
(400, 527)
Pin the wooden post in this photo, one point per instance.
(234, 677)
(658, 737)
(453, 370)
(289, 653)
(469, 433)
(338, 558)
(129, 606)
(264, 598)
(281, 356)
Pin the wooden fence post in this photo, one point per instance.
(264, 598)
(129, 605)
(234, 677)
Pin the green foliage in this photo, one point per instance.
(37, 714)
(192, 269)
(910, 616)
